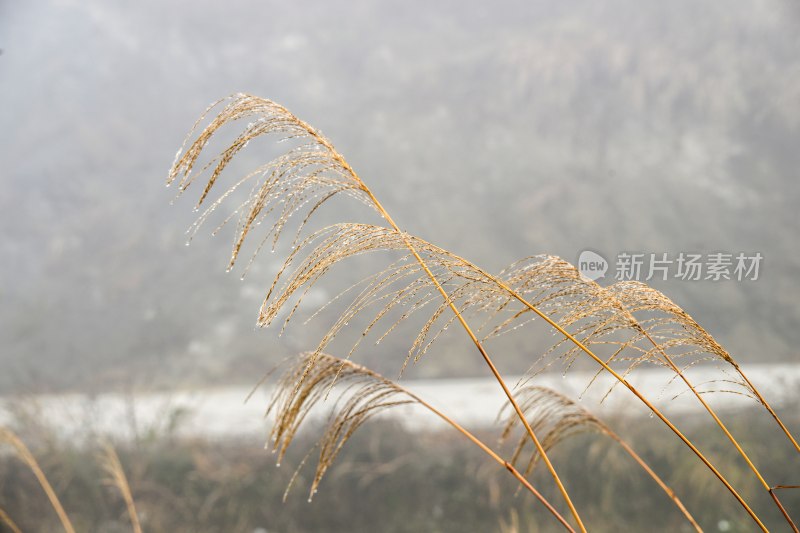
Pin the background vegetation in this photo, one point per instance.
(388, 479)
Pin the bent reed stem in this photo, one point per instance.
(5, 519)
(758, 394)
(716, 418)
(511, 292)
(487, 359)
(666, 488)
(491, 453)
(638, 394)
(28, 458)
(767, 406)
(636, 325)
(728, 434)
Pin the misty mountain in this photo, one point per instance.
(497, 132)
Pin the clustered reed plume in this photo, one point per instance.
(362, 394)
(620, 328)
(555, 417)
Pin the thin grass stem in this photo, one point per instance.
(27, 457)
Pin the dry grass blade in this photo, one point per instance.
(364, 394)
(24, 454)
(117, 478)
(555, 418)
(5, 519)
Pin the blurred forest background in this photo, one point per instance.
(496, 131)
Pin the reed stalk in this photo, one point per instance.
(316, 170)
(118, 479)
(484, 354)
(25, 455)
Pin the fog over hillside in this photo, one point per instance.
(496, 131)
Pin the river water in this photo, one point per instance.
(223, 412)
